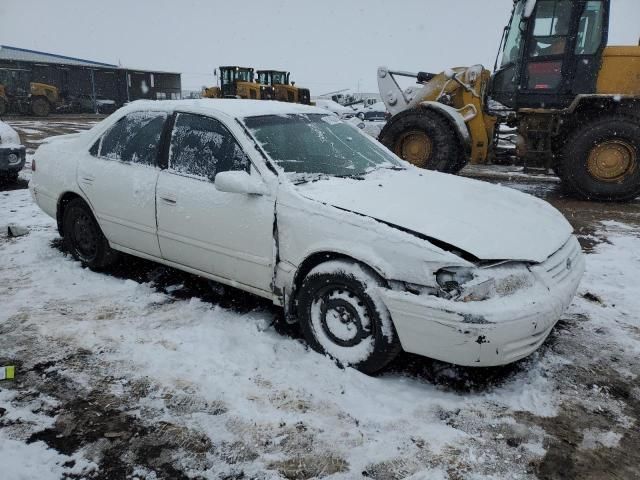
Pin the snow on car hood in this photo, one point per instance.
(488, 221)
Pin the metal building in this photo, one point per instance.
(76, 77)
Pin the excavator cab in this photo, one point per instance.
(551, 52)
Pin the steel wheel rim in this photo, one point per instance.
(612, 160)
(415, 147)
(339, 319)
(84, 237)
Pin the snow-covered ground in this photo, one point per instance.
(145, 372)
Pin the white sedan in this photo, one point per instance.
(369, 254)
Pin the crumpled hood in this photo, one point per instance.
(488, 221)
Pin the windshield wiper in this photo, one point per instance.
(357, 176)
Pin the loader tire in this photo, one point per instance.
(3, 106)
(425, 139)
(40, 107)
(601, 160)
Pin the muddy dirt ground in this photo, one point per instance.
(595, 395)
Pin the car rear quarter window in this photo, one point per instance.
(134, 138)
(202, 146)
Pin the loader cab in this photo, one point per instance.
(552, 51)
(273, 77)
(231, 76)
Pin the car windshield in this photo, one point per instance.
(318, 144)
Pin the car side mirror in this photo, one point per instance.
(239, 182)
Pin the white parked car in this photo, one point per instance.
(368, 253)
(12, 153)
(340, 110)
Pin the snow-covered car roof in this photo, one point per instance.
(8, 136)
(237, 108)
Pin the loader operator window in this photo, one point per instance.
(278, 79)
(513, 44)
(590, 29)
(551, 28)
(548, 44)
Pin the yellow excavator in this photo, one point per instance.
(39, 100)
(574, 100)
(237, 82)
(282, 89)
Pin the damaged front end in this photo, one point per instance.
(491, 314)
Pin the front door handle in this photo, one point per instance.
(168, 198)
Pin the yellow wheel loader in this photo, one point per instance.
(237, 82)
(39, 100)
(282, 89)
(574, 100)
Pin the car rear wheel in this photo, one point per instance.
(342, 315)
(83, 237)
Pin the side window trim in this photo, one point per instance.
(250, 164)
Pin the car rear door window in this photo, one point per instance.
(134, 138)
(202, 146)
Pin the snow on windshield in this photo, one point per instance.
(318, 144)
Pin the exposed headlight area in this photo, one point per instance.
(483, 283)
(474, 284)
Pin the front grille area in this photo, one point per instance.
(559, 266)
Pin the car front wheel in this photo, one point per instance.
(83, 237)
(342, 315)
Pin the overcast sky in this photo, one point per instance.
(327, 45)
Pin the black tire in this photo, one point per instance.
(83, 237)
(3, 106)
(342, 316)
(577, 163)
(445, 153)
(40, 107)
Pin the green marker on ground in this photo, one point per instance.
(7, 373)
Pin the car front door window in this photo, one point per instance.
(203, 147)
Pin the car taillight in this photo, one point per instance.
(33, 164)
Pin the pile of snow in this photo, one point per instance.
(334, 107)
(8, 136)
